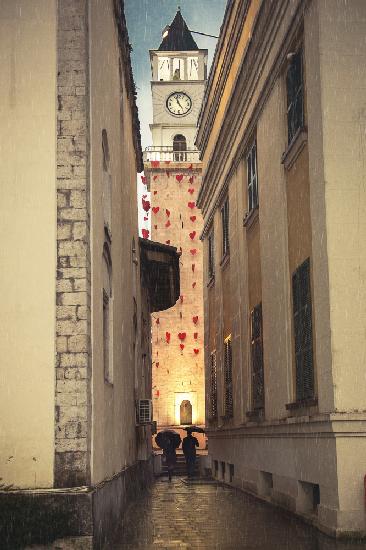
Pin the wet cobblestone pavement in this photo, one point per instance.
(177, 515)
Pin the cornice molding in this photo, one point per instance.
(232, 42)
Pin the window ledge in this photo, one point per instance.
(256, 414)
(295, 147)
(251, 217)
(225, 260)
(302, 403)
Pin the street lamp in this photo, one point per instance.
(167, 28)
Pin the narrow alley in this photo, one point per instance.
(214, 516)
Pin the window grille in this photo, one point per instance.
(228, 379)
(213, 386)
(144, 411)
(211, 255)
(295, 95)
(252, 178)
(303, 331)
(225, 227)
(257, 358)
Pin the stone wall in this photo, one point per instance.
(72, 400)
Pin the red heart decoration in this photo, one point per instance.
(192, 235)
(191, 204)
(155, 209)
(155, 226)
(193, 218)
(155, 192)
(193, 251)
(191, 179)
(157, 364)
(167, 337)
(195, 335)
(196, 351)
(194, 285)
(191, 190)
(145, 219)
(167, 242)
(157, 393)
(155, 163)
(193, 266)
(145, 205)
(182, 336)
(145, 233)
(181, 299)
(190, 167)
(195, 319)
(144, 196)
(181, 346)
(167, 223)
(155, 178)
(157, 321)
(143, 179)
(179, 177)
(167, 212)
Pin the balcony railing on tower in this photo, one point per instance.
(165, 152)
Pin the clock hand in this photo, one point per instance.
(179, 103)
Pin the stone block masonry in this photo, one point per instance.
(73, 360)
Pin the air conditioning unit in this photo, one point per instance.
(144, 411)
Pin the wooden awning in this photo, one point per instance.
(160, 273)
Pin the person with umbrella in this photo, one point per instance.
(189, 449)
(169, 441)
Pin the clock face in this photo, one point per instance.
(179, 103)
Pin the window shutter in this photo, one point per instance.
(228, 378)
(257, 358)
(303, 331)
(213, 386)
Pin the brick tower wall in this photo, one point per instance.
(178, 363)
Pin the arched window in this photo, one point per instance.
(186, 412)
(180, 148)
(107, 182)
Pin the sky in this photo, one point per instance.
(145, 21)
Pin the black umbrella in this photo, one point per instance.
(194, 429)
(168, 438)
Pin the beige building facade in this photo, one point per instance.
(173, 176)
(282, 195)
(78, 284)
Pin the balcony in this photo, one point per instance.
(167, 153)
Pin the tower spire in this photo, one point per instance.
(177, 36)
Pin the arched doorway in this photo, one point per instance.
(180, 148)
(186, 412)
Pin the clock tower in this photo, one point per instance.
(173, 176)
(179, 73)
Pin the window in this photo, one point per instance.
(303, 332)
(225, 227)
(192, 66)
(257, 358)
(107, 315)
(106, 182)
(180, 148)
(228, 379)
(213, 386)
(295, 95)
(211, 255)
(252, 178)
(163, 68)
